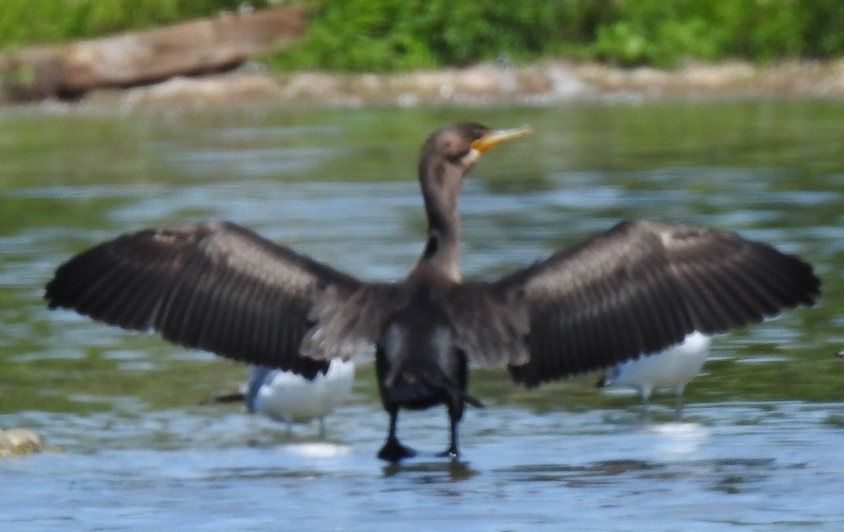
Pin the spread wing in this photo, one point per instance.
(634, 289)
(220, 287)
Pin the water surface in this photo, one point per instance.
(759, 446)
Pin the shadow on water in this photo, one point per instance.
(758, 445)
(730, 475)
(441, 470)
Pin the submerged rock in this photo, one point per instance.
(19, 441)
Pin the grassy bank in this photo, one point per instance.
(26, 22)
(398, 35)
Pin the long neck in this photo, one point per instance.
(442, 249)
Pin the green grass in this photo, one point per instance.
(395, 35)
(25, 22)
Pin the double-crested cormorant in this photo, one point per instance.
(672, 368)
(291, 398)
(637, 288)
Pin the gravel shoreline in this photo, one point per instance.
(540, 83)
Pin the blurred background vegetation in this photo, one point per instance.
(392, 35)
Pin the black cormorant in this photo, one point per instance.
(636, 288)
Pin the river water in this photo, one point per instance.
(760, 445)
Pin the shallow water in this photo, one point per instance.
(759, 446)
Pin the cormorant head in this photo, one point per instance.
(450, 152)
(445, 158)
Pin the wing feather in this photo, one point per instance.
(635, 289)
(220, 287)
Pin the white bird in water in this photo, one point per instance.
(672, 368)
(289, 397)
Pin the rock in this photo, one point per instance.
(19, 441)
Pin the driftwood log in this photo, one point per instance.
(198, 47)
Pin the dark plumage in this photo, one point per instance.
(637, 288)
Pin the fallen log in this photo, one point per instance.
(197, 47)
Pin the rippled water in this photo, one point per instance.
(759, 446)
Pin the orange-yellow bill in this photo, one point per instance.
(498, 136)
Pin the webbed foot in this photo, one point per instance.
(394, 451)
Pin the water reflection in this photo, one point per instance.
(432, 472)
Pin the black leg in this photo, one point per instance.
(452, 452)
(393, 450)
